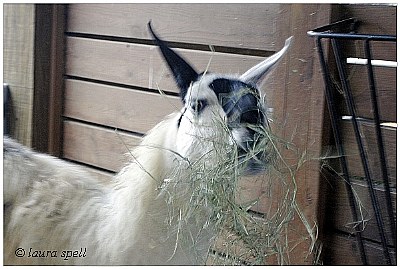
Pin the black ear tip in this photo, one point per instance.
(183, 73)
(158, 41)
(149, 26)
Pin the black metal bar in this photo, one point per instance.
(327, 32)
(335, 25)
(339, 145)
(363, 155)
(379, 137)
(354, 36)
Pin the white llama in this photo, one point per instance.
(55, 213)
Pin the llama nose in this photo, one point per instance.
(253, 164)
(198, 105)
(252, 154)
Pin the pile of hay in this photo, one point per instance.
(212, 190)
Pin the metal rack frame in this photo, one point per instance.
(336, 33)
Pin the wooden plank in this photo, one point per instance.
(342, 219)
(231, 25)
(369, 140)
(48, 78)
(18, 47)
(386, 87)
(97, 146)
(142, 65)
(117, 107)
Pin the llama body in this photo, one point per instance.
(51, 205)
(57, 206)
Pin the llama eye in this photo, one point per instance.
(198, 105)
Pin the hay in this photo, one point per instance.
(211, 191)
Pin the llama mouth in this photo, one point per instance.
(252, 163)
(252, 151)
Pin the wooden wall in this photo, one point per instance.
(18, 47)
(340, 243)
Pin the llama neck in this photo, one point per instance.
(141, 203)
(153, 158)
(137, 187)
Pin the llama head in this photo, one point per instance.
(210, 98)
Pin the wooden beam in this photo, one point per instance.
(299, 95)
(48, 78)
(230, 25)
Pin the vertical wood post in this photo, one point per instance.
(299, 109)
(49, 65)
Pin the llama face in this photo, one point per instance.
(210, 99)
(213, 99)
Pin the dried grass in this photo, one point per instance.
(211, 189)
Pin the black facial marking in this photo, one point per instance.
(198, 105)
(239, 100)
(180, 118)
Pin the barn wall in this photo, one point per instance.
(103, 94)
(98, 77)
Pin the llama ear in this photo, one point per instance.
(183, 73)
(257, 73)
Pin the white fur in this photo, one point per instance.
(53, 205)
